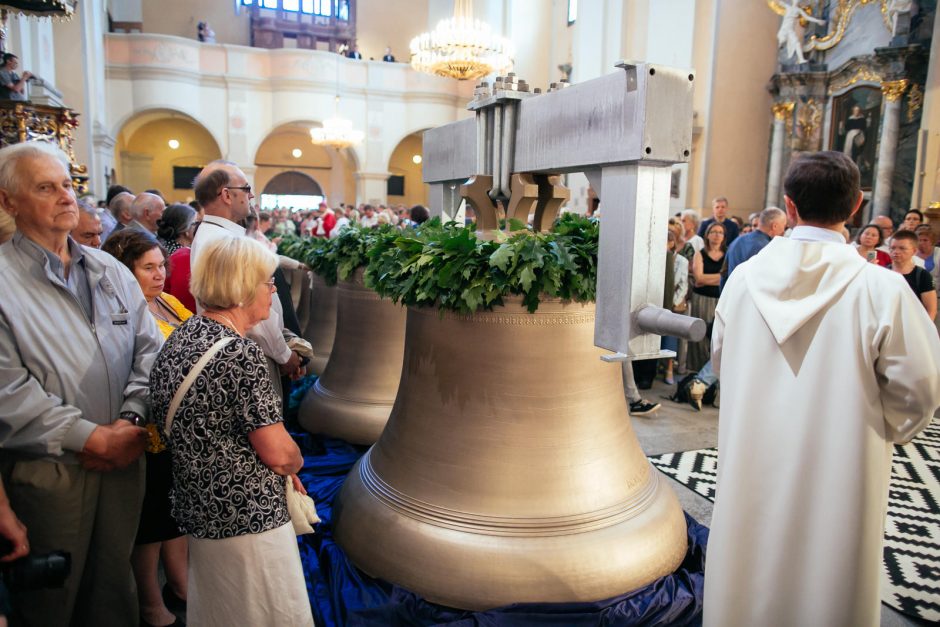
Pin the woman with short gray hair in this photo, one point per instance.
(211, 394)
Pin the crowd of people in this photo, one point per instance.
(325, 221)
(708, 251)
(148, 428)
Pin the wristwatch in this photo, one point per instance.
(132, 417)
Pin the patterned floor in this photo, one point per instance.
(911, 564)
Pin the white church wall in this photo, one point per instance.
(240, 94)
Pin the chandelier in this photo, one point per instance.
(336, 132)
(461, 47)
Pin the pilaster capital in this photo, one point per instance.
(782, 110)
(893, 90)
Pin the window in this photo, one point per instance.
(183, 176)
(321, 8)
(395, 186)
(572, 11)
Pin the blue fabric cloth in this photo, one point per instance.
(743, 249)
(341, 595)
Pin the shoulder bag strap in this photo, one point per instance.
(188, 381)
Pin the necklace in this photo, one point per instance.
(225, 318)
(160, 311)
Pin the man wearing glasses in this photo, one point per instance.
(222, 189)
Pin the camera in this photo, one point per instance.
(33, 572)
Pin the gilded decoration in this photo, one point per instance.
(838, 20)
(915, 100)
(21, 122)
(893, 90)
(809, 119)
(862, 74)
(782, 110)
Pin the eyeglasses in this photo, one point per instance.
(244, 188)
(270, 284)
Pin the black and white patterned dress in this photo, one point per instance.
(221, 488)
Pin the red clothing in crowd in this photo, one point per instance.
(177, 280)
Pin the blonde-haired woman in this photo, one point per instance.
(231, 452)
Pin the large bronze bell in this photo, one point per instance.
(321, 322)
(509, 471)
(353, 397)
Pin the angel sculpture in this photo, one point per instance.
(791, 33)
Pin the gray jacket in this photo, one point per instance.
(60, 375)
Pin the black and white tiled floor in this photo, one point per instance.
(911, 565)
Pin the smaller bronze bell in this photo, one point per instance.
(321, 323)
(353, 398)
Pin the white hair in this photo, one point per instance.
(10, 156)
(770, 215)
(692, 215)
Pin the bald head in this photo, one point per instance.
(222, 189)
(885, 224)
(772, 221)
(120, 207)
(147, 209)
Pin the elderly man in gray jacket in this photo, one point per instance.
(76, 346)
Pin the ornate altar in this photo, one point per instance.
(854, 84)
(24, 121)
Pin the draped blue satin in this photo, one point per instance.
(342, 595)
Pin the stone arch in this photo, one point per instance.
(162, 149)
(400, 163)
(287, 147)
(167, 110)
(416, 130)
(293, 182)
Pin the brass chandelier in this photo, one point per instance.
(336, 132)
(462, 47)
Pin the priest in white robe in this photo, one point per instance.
(828, 360)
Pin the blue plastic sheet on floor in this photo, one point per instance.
(343, 595)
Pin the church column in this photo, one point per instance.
(782, 112)
(888, 144)
(250, 171)
(372, 187)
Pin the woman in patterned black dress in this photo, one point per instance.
(231, 452)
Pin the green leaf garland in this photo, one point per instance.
(447, 266)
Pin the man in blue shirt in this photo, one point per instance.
(772, 222)
(719, 213)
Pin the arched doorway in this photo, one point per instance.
(291, 190)
(405, 185)
(288, 149)
(163, 150)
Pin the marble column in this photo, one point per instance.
(888, 145)
(782, 112)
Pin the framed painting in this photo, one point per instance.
(856, 120)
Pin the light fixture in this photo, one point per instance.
(416, 159)
(297, 153)
(462, 47)
(173, 144)
(336, 132)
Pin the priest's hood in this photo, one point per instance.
(791, 281)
